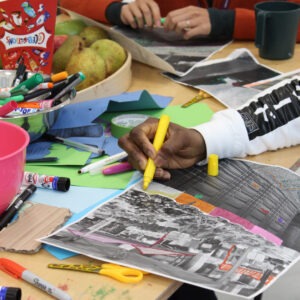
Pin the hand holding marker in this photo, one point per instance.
(159, 138)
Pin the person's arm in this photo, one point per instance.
(222, 23)
(94, 9)
(245, 25)
(269, 121)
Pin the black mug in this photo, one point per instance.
(276, 29)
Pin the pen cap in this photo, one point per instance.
(63, 184)
(10, 293)
(213, 165)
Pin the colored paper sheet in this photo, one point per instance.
(84, 113)
(66, 155)
(188, 117)
(119, 181)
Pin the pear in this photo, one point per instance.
(63, 53)
(87, 61)
(112, 52)
(69, 27)
(90, 34)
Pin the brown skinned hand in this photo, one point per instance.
(182, 148)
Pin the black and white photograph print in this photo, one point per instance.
(152, 231)
(225, 79)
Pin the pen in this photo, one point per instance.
(15, 270)
(159, 138)
(42, 159)
(8, 214)
(96, 167)
(72, 82)
(68, 142)
(57, 77)
(7, 108)
(14, 98)
(30, 83)
(118, 168)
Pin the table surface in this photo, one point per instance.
(91, 286)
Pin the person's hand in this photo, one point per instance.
(182, 147)
(141, 13)
(191, 21)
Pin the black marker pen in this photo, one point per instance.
(8, 214)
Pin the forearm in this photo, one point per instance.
(265, 123)
(94, 9)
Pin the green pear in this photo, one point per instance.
(69, 27)
(112, 52)
(87, 61)
(90, 34)
(63, 53)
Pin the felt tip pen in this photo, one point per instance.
(30, 83)
(20, 111)
(18, 98)
(39, 104)
(57, 77)
(9, 213)
(117, 168)
(10, 293)
(7, 108)
(159, 138)
(71, 143)
(96, 167)
(15, 270)
(74, 80)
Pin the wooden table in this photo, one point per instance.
(90, 286)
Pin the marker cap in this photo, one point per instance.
(63, 184)
(10, 293)
(213, 165)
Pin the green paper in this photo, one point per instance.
(191, 116)
(119, 181)
(67, 156)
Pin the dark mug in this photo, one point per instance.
(276, 29)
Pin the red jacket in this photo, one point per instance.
(244, 26)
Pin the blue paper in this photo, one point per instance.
(84, 113)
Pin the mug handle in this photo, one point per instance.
(260, 29)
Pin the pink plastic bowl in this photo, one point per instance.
(13, 143)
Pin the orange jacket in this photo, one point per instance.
(244, 25)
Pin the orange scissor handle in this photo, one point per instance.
(122, 274)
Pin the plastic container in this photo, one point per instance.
(14, 141)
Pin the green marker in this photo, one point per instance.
(30, 83)
(18, 98)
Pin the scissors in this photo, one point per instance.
(120, 273)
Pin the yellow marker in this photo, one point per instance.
(213, 165)
(159, 138)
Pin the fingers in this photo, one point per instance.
(141, 13)
(189, 22)
(138, 143)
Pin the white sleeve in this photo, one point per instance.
(269, 121)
